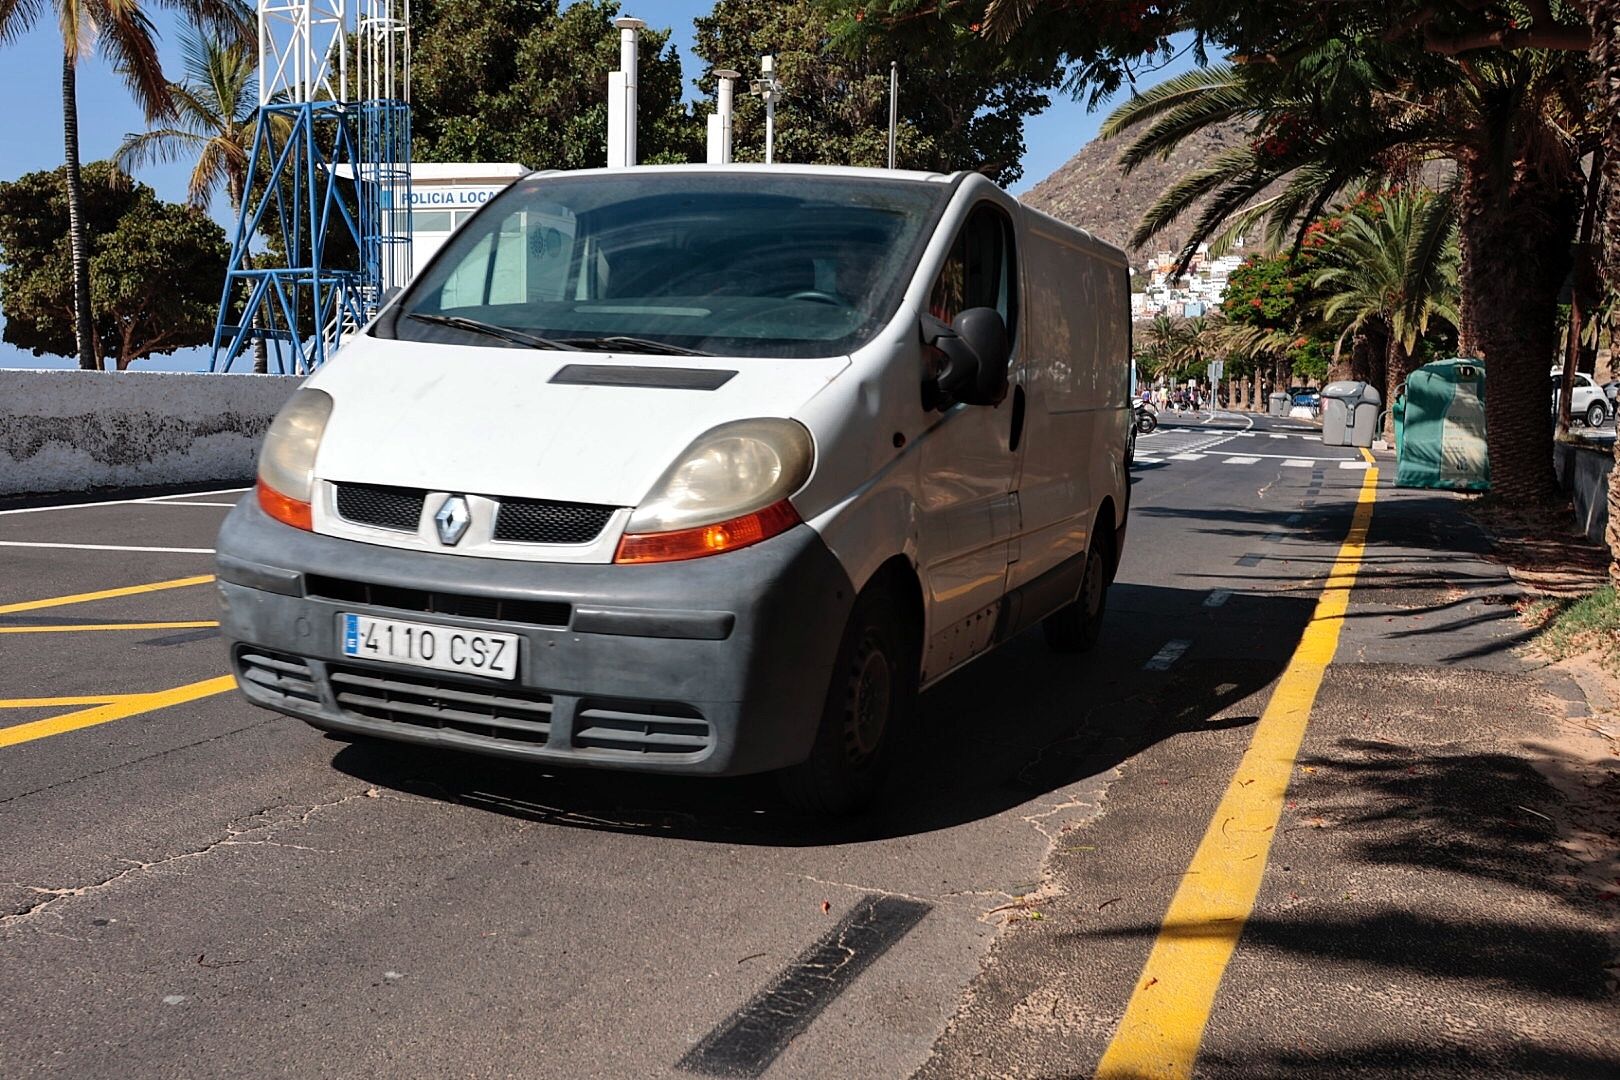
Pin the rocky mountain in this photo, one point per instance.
(1093, 192)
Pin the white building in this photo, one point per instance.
(445, 194)
(1197, 292)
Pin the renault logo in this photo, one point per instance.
(452, 519)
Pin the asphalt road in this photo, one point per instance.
(206, 889)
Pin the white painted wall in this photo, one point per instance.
(80, 430)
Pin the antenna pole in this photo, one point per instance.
(894, 105)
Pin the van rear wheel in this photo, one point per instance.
(1075, 627)
(871, 696)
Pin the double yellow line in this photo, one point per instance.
(103, 707)
(1165, 1018)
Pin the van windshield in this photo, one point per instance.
(728, 264)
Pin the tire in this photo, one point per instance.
(1146, 422)
(870, 701)
(1075, 627)
(1596, 414)
(1130, 447)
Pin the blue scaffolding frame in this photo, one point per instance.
(341, 173)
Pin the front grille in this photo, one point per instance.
(286, 680)
(498, 713)
(532, 612)
(537, 521)
(647, 727)
(381, 507)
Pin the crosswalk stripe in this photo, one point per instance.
(1354, 465)
(1240, 460)
(1299, 463)
(1187, 457)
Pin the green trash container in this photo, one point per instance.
(1440, 427)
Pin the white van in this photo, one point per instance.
(694, 469)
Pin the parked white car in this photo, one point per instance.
(1588, 402)
(694, 469)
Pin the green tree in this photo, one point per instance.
(121, 31)
(155, 268)
(958, 108)
(1339, 91)
(1396, 269)
(1507, 120)
(515, 80)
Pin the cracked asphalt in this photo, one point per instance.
(206, 889)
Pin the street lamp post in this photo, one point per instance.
(768, 89)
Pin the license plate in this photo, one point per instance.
(443, 648)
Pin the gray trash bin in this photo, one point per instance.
(1350, 413)
(1278, 404)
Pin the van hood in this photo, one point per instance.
(492, 421)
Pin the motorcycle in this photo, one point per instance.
(1147, 418)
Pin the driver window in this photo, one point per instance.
(980, 270)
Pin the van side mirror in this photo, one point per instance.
(974, 354)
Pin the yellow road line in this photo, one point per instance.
(61, 702)
(105, 594)
(1165, 1018)
(134, 705)
(1366, 453)
(68, 629)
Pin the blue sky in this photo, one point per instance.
(30, 78)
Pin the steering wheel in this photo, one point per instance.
(818, 296)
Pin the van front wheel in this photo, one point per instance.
(1076, 626)
(871, 695)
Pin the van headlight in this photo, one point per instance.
(287, 459)
(727, 490)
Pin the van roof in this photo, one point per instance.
(754, 167)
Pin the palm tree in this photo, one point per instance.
(1394, 269)
(1515, 124)
(122, 31)
(214, 118)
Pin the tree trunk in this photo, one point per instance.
(1397, 366)
(1605, 16)
(84, 331)
(1516, 232)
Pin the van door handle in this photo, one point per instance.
(1017, 418)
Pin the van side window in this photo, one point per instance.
(980, 270)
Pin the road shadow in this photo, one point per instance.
(1004, 731)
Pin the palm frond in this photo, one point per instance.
(1178, 198)
(17, 17)
(1174, 93)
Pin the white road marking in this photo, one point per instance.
(1240, 460)
(1299, 463)
(1140, 460)
(1353, 465)
(1168, 655)
(119, 502)
(1187, 457)
(1278, 435)
(159, 502)
(104, 547)
(1217, 598)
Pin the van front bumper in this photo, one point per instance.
(714, 666)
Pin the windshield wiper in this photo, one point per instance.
(633, 344)
(505, 333)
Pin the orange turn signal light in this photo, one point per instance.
(739, 532)
(286, 510)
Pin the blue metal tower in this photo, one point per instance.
(328, 184)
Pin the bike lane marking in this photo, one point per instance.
(1164, 1020)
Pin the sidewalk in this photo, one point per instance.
(1441, 897)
